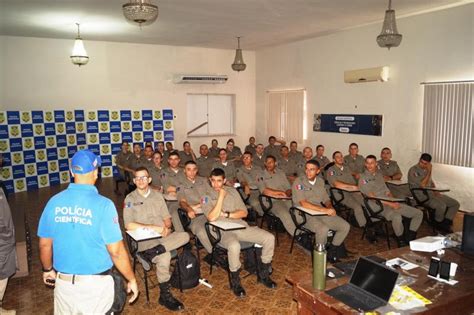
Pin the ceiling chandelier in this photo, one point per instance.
(79, 55)
(140, 11)
(239, 64)
(389, 37)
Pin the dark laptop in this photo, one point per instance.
(370, 287)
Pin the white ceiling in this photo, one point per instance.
(203, 23)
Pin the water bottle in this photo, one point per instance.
(319, 267)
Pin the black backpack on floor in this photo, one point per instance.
(189, 269)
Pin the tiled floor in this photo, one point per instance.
(28, 295)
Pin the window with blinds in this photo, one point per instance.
(448, 123)
(287, 117)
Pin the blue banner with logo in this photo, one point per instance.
(370, 125)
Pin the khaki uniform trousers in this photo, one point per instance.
(173, 241)
(320, 225)
(443, 204)
(173, 210)
(253, 201)
(355, 202)
(395, 216)
(198, 228)
(281, 209)
(231, 241)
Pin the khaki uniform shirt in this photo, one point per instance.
(323, 161)
(259, 161)
(297, 155)
(192, 191)
(416, 175)
(277, 181)
(145, 210)
(249, 176)
(214, 153)
(232, 202)
(236, 152)
(171, 178)
(373, 183)
(155, 174)
(287, 166)
(251, 148)
(272, 150)
(315, 193)
(184, 157)
(356, 165)
(389, 168)
(122, 159)
(134, 161)
(340, 174)
(204, 164)
(229, 169)
(147, 163)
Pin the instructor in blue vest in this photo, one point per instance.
(80, 241)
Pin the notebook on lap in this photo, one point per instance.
(370, 287)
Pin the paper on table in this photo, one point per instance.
(311, 211)
(397, 182)
(225, 225)
(405, 265)
(405, 298)
(141, 234)
(169, 197)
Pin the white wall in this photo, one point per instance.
(37, 74)
(436, 46)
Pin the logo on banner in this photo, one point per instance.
(64, 177)
(25, 116)
(6, 173)
(126, 126)
(104, 127)
(93, 138)
(43, 180)
(147, 125)
(106, 171)
(20, 184)
(17, 158)
(91, 115)
(80, 127)
(30, 169)
(105, 149)
(71, 139)
(39, 129)
(50, 141)
(136, 114)
(28, 143)
(3, 145)
(158, 136)
(62, 153)
(48, 116)
(14, 131)
(114, 115)
(157, 114)
(53, 166)
(2, 117)
(60, 128)
(40, 155)
(167, 124)
(137, 136)
(115, 137)
(69, 116)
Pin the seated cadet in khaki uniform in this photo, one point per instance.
(371, 184)
(227, 166)
(301, 164)
(320, 157)
(187, 154)
(155, 172)
(294, 153)
(420, 175)
(273, 183)
(169, 149)
(247, 176)
(204, 162)
(170, 178)
(223, 203)
(233, 153)
(147, 159)
(258, 157)
(309, 192)
(286, 164)
(251, 146)
(214, 149)
(135, 159)
(272, 148)
(160, 147)
(391, 171)
(121, 161)
(237, 148)
(339, 176)
(354, 161)
(146, 208)
(190, 191)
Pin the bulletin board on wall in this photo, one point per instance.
(36, 145)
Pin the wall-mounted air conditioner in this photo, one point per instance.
(199, 79)
(366, 75)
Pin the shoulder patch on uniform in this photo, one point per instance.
(332, 173)
(127, 205)
(364, 181)
(204, 200)
(299, 187)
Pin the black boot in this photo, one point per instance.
(146, 257)
(332, 254)
(401, 241)
(445, 226)
(410, 236)
(167, 299)
(264, 276)
(235, 284)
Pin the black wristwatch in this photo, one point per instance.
(47, 270)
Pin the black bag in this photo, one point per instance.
(250, 264)
(120, 295)
(189, 269)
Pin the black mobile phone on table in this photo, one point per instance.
(434, 267)
(444, 270)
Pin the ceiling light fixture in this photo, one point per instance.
(79, 55)
(389, 37)
(140, 11)
(239, 64)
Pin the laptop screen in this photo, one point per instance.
(374, 278)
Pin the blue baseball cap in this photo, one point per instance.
(84, 161)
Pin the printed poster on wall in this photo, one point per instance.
(370, 125)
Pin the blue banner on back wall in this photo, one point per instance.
(345, 123)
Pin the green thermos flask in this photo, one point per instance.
(319, 267)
